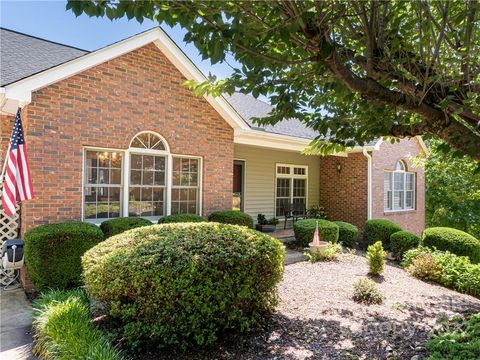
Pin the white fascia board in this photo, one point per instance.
(22, 89)
(269, 140)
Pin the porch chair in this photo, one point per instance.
(294, 211)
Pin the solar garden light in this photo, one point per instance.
(11, 263)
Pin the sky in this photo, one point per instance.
(50, 20)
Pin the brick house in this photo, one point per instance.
(114, 133)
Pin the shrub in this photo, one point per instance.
(347, 233)
(304, 229)
(330, 254)
(53, 252)
(401, 242)
(376, 258)
(450, 270)
(233, 217)
(117, 226)
(63, 328)
(379, 230)
(425, 266)
(459, 338)
(453, 240)
(365, 291)
(411, 254)
(181, 218)
(176, 284)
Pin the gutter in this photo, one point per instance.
(369, 183)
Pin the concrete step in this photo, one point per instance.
(292, 257)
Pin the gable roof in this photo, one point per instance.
(28, 63)
(23, 55)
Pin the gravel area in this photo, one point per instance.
(317, 319)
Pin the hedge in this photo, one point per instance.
(453, 240)
(379, 230)
(347, 233)
(233, 217)
(304, 229)
(117, 226)
(63, 328)
(180, 218)
(53, 252)
(185, 283)
(401, 242)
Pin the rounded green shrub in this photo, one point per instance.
(401, 242)
(233, 217)
(304, 229)
(180, 218)
(347, 233)
(53, 253)
(453, 240)
(117, 226)
(185, 283)
(379, 230)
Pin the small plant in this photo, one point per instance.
(330, 253)
(365, 291)
(262, 220)
(376, 258)
(425, 266)
(459, 338)
(63, 328)
(317, 212)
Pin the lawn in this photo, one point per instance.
(318, 319)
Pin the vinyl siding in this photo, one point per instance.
(259, 184)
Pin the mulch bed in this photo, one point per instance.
(317, 319)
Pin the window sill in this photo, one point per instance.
(388, 212)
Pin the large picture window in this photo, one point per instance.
(145, 180)
(399, 189)
(291, 187)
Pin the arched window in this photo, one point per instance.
(399, 188)
(400, 166)
(144, 180)
(148, 140)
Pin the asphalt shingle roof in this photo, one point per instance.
(23, 55)
(248, 107)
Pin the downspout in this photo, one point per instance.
(369, 183)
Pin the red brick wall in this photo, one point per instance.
(106, 106)
(385, 159)
(344, 193)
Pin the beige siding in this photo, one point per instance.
(259, 184)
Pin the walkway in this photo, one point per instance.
(15, 326)
(286, 236)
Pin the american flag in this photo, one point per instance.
(17, 185)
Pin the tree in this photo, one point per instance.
(453, 191)
(354, 71)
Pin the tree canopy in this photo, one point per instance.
(352, 70)
(453, 191)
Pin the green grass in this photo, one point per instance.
(64, 330)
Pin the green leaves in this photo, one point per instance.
(324, 62)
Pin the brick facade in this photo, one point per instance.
(105, 106)
(385, 159)
(344, 193)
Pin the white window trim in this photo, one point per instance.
(126, 178)
(290, 176)
(392, 181)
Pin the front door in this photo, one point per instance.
(238, 184)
